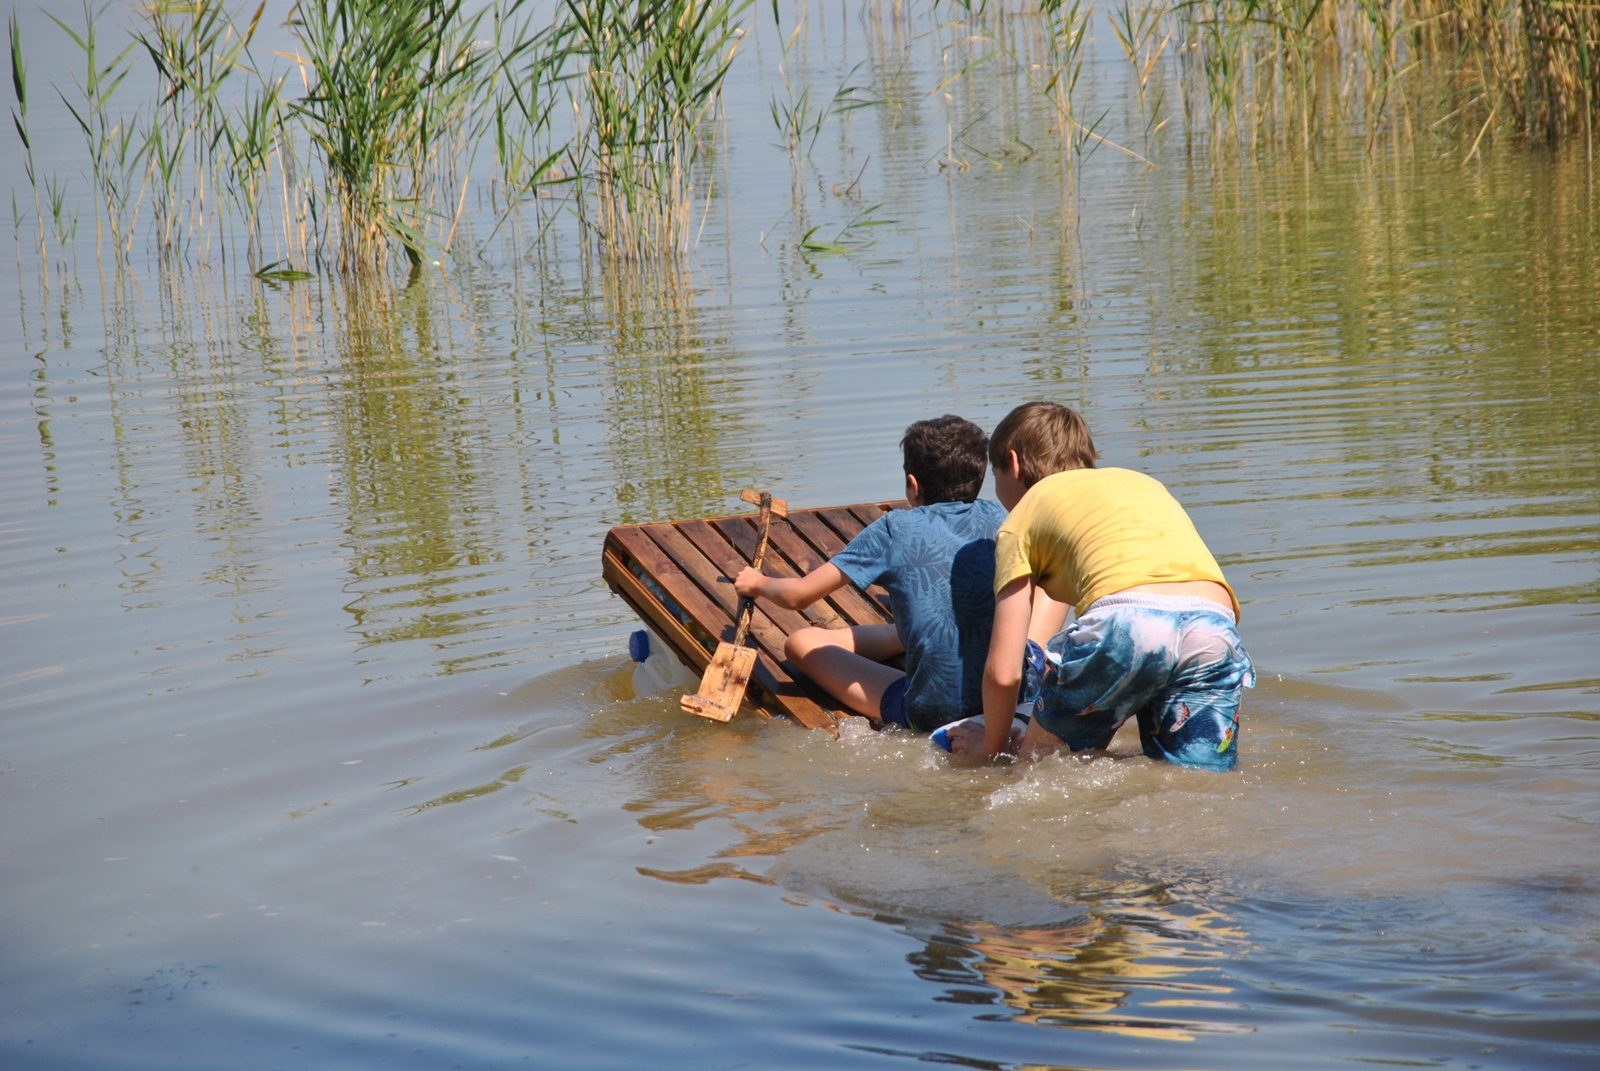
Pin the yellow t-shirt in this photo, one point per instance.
(1084, 534)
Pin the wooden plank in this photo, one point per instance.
(637, 545)
(842, 521)
(677, 576)
(710, 538)
(847, 606)
(770, 625)
(860, 608)
(823, 539)
(741, 534)
(687, 577)
(829, 529)
(866, 514)
(716, 583)
(795, 551)
(733, 554)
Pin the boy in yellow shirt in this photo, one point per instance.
(1156, 634)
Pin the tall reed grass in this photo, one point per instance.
(195, 49)
(116, 151)
(367, 156)
(391, 88)
(19, 119)
(1464, 72)
(1298, 72)
(651, 77)
(361, 150)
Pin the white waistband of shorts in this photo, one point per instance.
(1171, 603)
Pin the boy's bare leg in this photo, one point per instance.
(847, 662)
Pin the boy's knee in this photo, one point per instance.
(802, 642)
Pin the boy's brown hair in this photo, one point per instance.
(946, 455)
(1048, 438)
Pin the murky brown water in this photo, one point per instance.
(317, 741)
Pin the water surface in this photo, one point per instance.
(319, 747)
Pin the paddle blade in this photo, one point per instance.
(722, 688)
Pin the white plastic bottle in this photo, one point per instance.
(655, 667)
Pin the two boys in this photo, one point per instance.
(1156, 634)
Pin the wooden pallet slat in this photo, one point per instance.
(847, 523)
(847, 606)
(711, 579)
(676, 575)
(818, 533)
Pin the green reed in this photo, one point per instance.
(791, 114)
(1065, 24)
(530, 68)
(363, 147)
(650, 78)
(396, 96)
(798, 120)
(1047, 46)
(1136, 28)
(393, 86)
(19, 119)
(195, 48)
(250, 144)
(1294, 72)
(116, 150)
(1276, 68)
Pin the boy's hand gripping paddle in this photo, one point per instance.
(722, 688)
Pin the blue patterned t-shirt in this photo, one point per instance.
(937, 563)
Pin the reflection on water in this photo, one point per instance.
(1126, 899)
(1136, 971)
(413, 467)
(666, 374)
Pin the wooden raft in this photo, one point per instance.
(677, 576)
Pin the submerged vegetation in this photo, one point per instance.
(366, 144)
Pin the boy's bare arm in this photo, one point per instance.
(790, 592)
(1002, 672)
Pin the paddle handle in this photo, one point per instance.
(748, 605)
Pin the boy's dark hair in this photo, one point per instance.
(946, 456)
(1048, 438)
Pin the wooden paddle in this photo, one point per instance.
(722, 688)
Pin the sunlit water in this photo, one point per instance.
(319, 746)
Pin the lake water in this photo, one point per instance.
(318, 744)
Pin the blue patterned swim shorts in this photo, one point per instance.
(1174, 662)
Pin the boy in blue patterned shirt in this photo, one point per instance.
(937, 561)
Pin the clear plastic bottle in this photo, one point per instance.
(655, 667)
